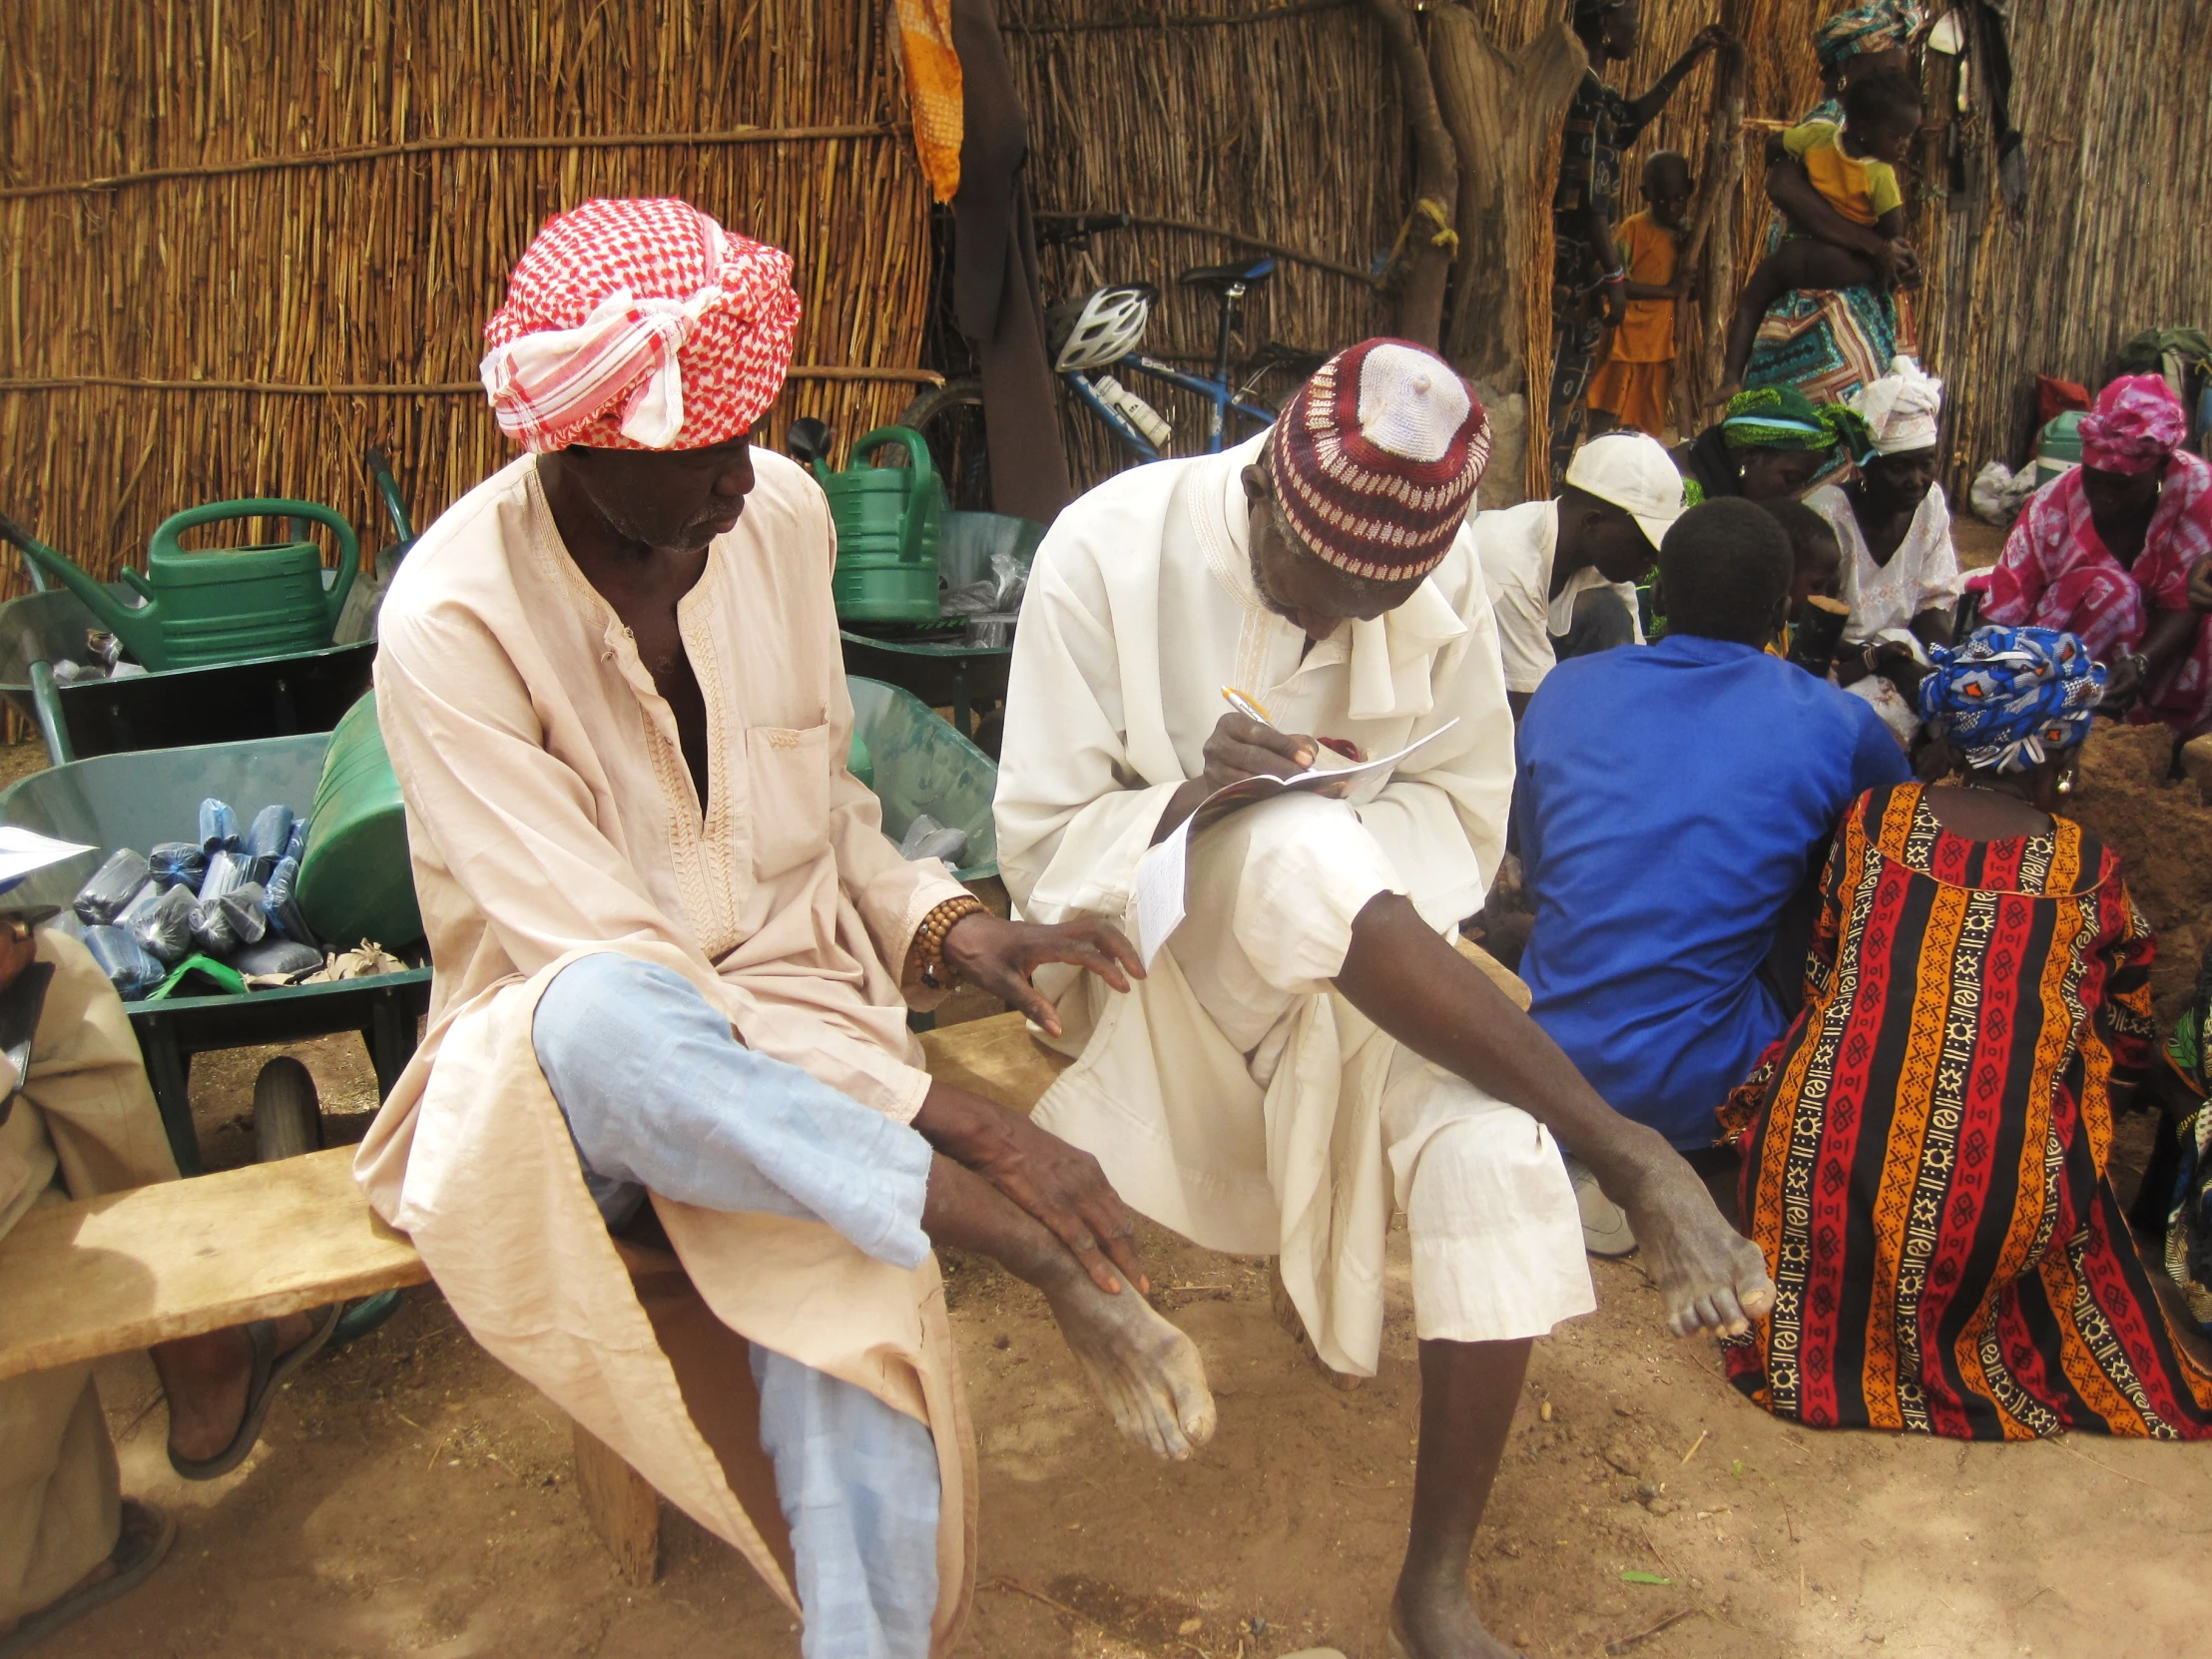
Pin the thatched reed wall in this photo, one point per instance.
(1287, 125)
(1284, 130)
(373, 275)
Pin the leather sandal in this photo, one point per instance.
(269, 1368)
(144, 1539)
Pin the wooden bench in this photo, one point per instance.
(115, 1274)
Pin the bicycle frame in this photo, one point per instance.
(1219, 397)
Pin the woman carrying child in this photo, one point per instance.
(1925, 1149)
(1837, 189)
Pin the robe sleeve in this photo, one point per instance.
(2023, 572)
(1940, 581)
(1442, 819)
(893, 894)
(1074, 815)
(512, 823)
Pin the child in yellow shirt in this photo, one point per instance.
(1632, 387)
(1859, 243)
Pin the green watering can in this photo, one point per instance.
(887, 519)
(219, 605)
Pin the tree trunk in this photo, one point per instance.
(1428, 241)
(1710, 242)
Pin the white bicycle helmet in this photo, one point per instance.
(1106, 329)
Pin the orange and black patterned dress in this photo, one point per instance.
(1925, 1148)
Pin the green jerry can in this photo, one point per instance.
(887, 521)
(219, 605)
(356, 878)
(2059, 447)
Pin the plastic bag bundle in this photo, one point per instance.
(129, 968)
(242, 908)
(283, 906)
(164, 928)
(211, 929)
(111, 887)
(219, 827)
(296, 843)
(274, 955)
(140, 901)
(266, 839)
(927, 838)
(178, 863)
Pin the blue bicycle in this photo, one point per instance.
(1095, 345)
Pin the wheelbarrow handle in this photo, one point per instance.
(380, 472)
(10, 531)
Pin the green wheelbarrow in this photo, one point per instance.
(290, 677)
(117, 801)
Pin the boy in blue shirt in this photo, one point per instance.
(1672, 801)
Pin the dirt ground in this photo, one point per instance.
(411, 1497)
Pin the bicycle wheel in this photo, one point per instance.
(950, 416)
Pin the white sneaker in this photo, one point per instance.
(1605, 1229)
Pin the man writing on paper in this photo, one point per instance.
(1308, 1050)
(666, 1146)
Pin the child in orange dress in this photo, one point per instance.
(1632, 387)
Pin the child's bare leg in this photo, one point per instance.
(1800, 263)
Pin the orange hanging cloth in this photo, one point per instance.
(933, 89)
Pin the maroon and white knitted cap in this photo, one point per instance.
(1376, 459)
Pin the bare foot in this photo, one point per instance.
(1146, 1370)
(1711, 1277)
(207, 1379)
(1433, 1617)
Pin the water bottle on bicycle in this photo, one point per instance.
(1095, 341)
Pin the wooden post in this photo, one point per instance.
(1430, 239)
(624, 1509)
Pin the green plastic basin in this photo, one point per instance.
(355, 879)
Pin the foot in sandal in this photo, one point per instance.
(220, 1384)
(141, 1542)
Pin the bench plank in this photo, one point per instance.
(996, 1058)
(180, 1258)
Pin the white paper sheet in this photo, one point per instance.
(22, 853)
(1162, 871)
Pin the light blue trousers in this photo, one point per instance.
(660, 1096)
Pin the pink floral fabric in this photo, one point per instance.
(2056, 573)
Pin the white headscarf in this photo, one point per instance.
(1901, 410)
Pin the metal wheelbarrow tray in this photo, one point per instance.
(136, 800)
(267, 697)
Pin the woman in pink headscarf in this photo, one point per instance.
(2107, 550)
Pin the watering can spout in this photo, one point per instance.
(133, 626)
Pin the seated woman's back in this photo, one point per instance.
(1925, 1147)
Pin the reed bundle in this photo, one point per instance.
(336, 198)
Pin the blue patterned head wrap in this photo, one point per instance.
(2010, 696)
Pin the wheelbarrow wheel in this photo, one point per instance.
(288, 1115)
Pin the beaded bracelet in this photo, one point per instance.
(928, 945)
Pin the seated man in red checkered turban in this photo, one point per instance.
(1308, 1052)
(668, 1146)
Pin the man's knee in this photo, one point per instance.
(603, 1005)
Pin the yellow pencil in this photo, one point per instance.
(1250, 708)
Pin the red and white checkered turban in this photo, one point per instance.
(638, 324)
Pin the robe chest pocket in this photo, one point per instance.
(791, 794)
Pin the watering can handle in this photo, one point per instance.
(218, 512)
(918, 458)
